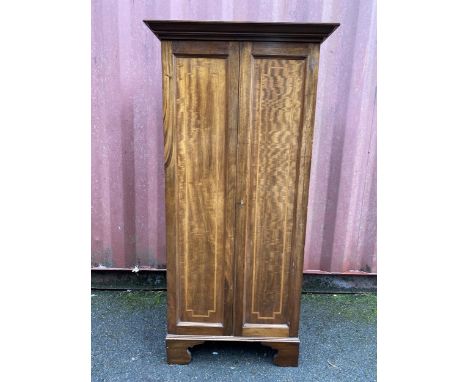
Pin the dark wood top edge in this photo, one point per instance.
(240, 31)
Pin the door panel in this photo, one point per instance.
(277, 86)
(200, 150)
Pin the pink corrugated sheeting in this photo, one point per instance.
(128, 223)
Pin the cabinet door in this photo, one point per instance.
(276, 116)
(200, 134)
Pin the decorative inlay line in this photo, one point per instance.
(214, 78)
(256, 192)
(291, 137)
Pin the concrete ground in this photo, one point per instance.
(337, 333)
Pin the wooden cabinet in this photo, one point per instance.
(239, 102)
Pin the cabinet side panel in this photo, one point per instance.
(297, 258)
(169, 169)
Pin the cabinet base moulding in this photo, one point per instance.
(178, 347)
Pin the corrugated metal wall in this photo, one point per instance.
(127, 157)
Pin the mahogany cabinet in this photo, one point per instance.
(239, 101)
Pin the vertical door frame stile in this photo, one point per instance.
(231, 175)
(236, 201)
(245, 83)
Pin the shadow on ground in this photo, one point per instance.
(338, 343)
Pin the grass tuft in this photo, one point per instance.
(142, 299)
(353, 307)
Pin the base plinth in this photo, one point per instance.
(177, 347)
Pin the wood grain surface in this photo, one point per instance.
(238, 128)
(178, 347)
(201, 124)
(276, 84)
